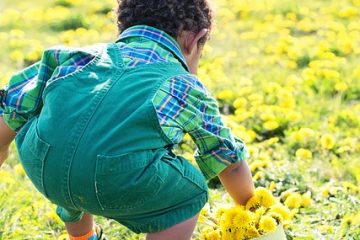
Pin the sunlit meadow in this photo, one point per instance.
(287, 77)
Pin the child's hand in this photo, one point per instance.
(6, 137)
(237, 181)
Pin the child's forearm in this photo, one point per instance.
(3, 154)
(237, 181)
(6, 137)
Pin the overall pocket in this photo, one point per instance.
(32, 152)
(126, 181)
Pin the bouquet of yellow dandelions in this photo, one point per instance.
(262, 215)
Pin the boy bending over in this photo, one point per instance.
(95, 126)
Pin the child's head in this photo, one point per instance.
(187, 21)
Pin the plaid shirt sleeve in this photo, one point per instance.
(22, 98)
(184, 105)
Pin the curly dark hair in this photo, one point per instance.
(170, 16)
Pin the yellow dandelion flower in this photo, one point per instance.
(225, 94)
(204, 213)
(242, 115)
(239, 234)
(240, 103)
(325, 192)
(348, 12)
(306, 199)
(6, 177)
(287, 193)
(327, 141)
(271, 125)
(253, 203)
(291, 64)
(303, 153)
(277, 216)
(226, 222)
(293, 201)
(227, 233)
(201, 218)
(282, 210)
(307, 132)
(272, 141)
(267, 224)
(227, 219)
(267, 116)
(16, 56)
(252, 232)
(243, 218)
(341, 87)
(17, 33)
(293, 116)
(211, 234)
(63, 236)
(33, 55)
(239, 207)
(272, 186)
(255, 165)
(220, 212)
(303, 135)
(266, 198)
(350, 186)
(258, 175)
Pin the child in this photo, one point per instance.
(95, 126)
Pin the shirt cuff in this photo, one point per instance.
(13, 120)
(2, 97)
(216, 160)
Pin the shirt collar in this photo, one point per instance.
(155, 35)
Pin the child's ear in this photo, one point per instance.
(192, 40)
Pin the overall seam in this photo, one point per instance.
(82, 125)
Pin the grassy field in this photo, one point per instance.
(287, 77)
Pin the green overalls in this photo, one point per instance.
(97, 147)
